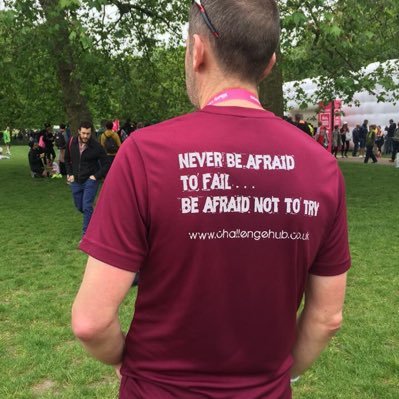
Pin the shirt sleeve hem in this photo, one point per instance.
(109, 256)
(331, 270)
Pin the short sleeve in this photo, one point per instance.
(117, 232)
(333, 257)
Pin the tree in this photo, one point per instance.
(100, 59)
(65, 59)
(334, 40)
(26, 77)
(73, 33)
(271, 89)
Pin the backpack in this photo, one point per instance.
(60, 141)
(110, 145)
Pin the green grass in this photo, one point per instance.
(363, 360)
(41, 269)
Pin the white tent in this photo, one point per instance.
(378, 113)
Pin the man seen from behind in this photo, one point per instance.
(110, 141)
(231, 217)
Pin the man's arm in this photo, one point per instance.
(320, 319)
(104, 164)
(95, 320)
(67, 158)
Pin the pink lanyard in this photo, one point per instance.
(234, 94)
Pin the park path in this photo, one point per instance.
(350, 159)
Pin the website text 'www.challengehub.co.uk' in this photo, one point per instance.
(249, 235)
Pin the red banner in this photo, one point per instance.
(330, 116)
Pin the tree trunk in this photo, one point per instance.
(271, 89)
(75, 104)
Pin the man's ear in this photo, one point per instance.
(198, 52)
(269, 67)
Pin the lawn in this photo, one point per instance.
(40, 272)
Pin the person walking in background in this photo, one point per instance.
(370, 142)
(300, 123)
(61, 140)
(363, 131)
(168, 210)
(322, 137)
(356, 140)
(110, 141)
(7, 140)
(335, 140)
(379, 141)
(86, 163)
(395, 144)
(345, 140)
(48, 140)
(388, 148)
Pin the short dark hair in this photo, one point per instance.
(85, 125)
(249, 32)
(298, 117)
(62, 126)
(109, 125)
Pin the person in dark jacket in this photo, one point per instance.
(86, 163)
(388, 148)
(395, 143)
(363, 131)
(61, 140)
(356, 140)
(301, 124)
(36, 164)
(48, 138)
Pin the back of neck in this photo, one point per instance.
(233, 94)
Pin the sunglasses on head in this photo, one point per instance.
(206, 18)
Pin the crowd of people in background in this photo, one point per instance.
(84, 158)
(42, 143)
(368, 141)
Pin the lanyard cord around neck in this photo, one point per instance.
(234, 94)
